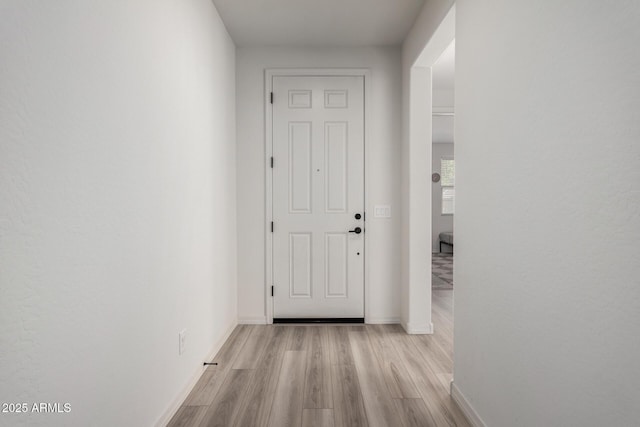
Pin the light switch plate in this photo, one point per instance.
(382, 211)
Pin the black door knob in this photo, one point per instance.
(356, 230)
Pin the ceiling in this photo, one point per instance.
(318, 22)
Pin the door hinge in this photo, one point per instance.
(272, 226)
(272, 97)
(271, 162)
(271, 290)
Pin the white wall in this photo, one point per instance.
(547, 330)
(383, 162)
(117, 204)
(439, 222)
(443, 98)
(442, 129)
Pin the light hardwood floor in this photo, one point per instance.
(329, 376)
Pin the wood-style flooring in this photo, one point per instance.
(329, 376)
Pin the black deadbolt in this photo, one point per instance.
(358, 216)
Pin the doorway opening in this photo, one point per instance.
(431, 123)
(420, 185)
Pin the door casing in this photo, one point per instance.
(268, 85)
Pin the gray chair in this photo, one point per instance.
(446, 237)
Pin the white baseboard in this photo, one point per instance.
(177, 402)
(382, 320)
(466, 407)
(259, 320)
(418, 328)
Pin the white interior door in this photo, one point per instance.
(318, 197)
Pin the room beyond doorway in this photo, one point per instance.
(443, 168)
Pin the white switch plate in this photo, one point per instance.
(181, 340)
(382, 211)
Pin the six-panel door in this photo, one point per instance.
(318, 188)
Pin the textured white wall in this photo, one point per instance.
(439, 222)
(117, 204)
(547, 96)
(383, 162)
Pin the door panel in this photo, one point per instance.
(300, 265)
(318, 187)
(336, 257)
(336, 167)
(300, 167)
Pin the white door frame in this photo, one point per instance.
(268, 87)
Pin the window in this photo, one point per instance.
(447, 184)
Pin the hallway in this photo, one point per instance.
(329, 375)
(138, 223)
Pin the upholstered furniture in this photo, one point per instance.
(446, 237)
